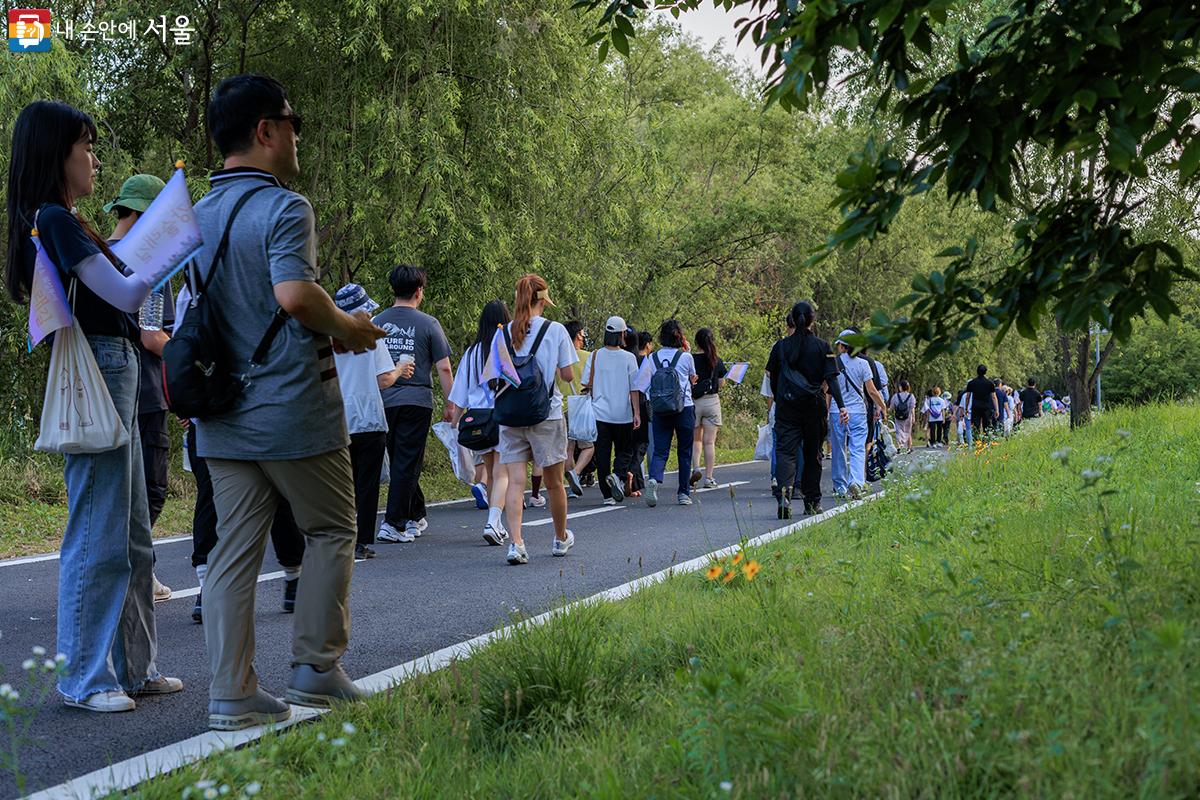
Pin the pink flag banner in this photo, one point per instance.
(499, 364)
(48, 307)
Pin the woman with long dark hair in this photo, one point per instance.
(710, 377)
(672, 355)
(470, 392)
(799, 365)
(106, 623)
(610, 377)
(543, 443)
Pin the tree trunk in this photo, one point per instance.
(1075, 349)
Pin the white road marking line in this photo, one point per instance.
(14, 562)
(195, 590)
(126, 774)
(576, 515)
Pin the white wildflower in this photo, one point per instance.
(349, 729)
(49, 665)
(211, 794)
(726, 786)
(60, 659)
(39, 651)
(1091, 474)
(338, 742)
(28, 664)
(321, 736)
(252, 789)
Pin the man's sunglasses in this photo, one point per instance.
(296, 120)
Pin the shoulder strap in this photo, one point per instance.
(675, 360)
(849, 380)
(592, 372)
(541, 334)
(512, 351)
(219, 255)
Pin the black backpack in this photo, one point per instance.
(199, 377)
(903, 408)
(792, 384)
(529, 403)
(666, 396)
(477, 428)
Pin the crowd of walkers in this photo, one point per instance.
(339, 397)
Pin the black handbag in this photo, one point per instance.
(477, 429)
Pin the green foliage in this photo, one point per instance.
(1069, 117)
(1161, 361)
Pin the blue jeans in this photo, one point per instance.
(105, 597)
(850, 471)
(775, 461)
(683, 425)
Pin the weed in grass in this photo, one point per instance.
(17, 716)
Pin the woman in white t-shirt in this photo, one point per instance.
(682, 424)
(545, 443)
(470, 395)
(610, 377)
(934, 410)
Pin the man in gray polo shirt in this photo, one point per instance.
(286, 435)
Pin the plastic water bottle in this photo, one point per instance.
(150, 317)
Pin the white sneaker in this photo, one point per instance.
(104, 702)
(389, 534)
(561, 546)
(709, 483)
(480, 493)
(573, 483)
(161, 591)
(609, 501)
(652, 493)
(417, 526)
(517, 554)
(535, 501)
(412, 532)
(495, 535)
(684, 500)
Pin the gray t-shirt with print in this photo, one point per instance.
(293, 406)
(414, 333)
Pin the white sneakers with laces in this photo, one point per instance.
(561, 546)
(392, 536)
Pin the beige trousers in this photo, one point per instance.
(320, 490)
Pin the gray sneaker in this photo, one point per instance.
(573, 483)
(684, 500)
(561, 546)
(615, 487)
(235, 715)
(517, 554)
(709, 483)
(321, 689)
(652, 493)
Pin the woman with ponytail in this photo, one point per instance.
(710, 377)
(798, 365)
(106, 623)
(543, 443)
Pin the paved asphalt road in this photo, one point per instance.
(413, 599)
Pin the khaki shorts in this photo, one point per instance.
(545, 444)
(708, 411)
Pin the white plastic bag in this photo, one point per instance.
(889, 441)
(78, 415)
(581, 418)
(762, 450)
(461, 459)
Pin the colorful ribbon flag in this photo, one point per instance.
(499, 364)
(165, 237)
(48, 307)
(737, 372)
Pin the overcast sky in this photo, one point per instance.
(712, 25)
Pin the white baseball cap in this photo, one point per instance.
(615, 325)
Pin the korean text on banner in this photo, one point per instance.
(164, 237)
(48, 307)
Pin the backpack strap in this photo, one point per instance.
(675, 360)
(541, 334)
(849, 380)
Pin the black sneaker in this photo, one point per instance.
(198, 611)
(363, 551)
(813, 508)
(289, 595)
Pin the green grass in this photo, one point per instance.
(1012, 625)
(33, 498)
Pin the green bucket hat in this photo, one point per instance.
(137, 193)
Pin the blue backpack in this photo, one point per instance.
(529, 403)
(666, 396)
